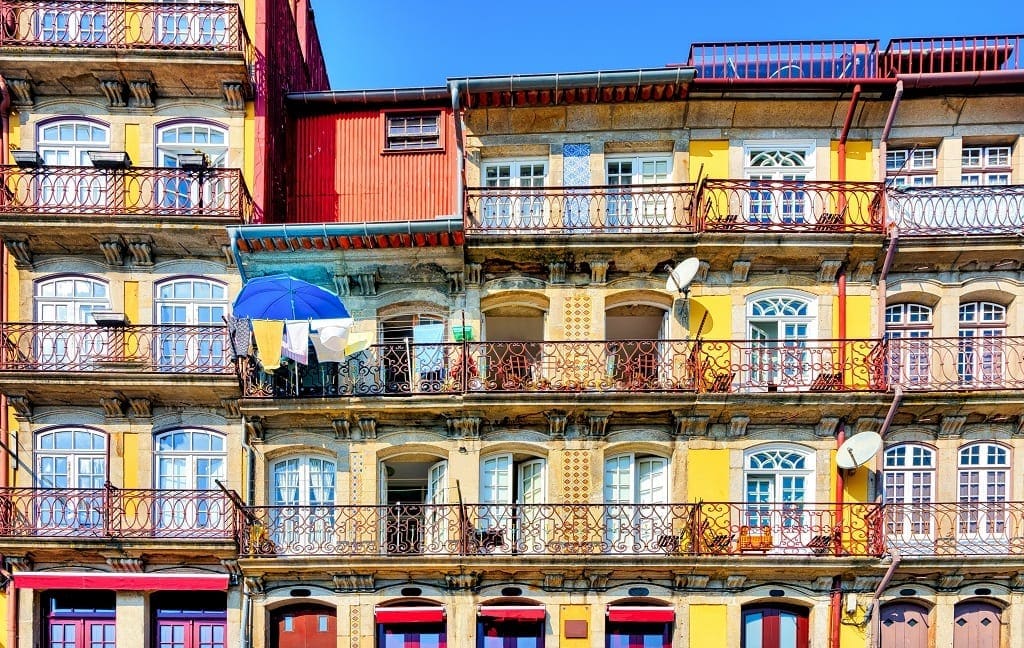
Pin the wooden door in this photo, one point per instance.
(904, 625)
(304, 627)
(976, 625)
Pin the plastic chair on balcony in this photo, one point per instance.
(754, 538)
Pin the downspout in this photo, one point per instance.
(846, 133)
(460, 157)
(893, 241)
(874, 620)
(879, 461)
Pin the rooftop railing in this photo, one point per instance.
(963, 210)
(113, 513)
(955, 364)
(610, 208)
(704, 529)
(628, 366)
(141, 192)
(786, 60)
(85, 24)
(169, 348)
(951, 54)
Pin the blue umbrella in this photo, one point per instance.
(282, 297)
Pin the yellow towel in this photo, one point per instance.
(268, 334)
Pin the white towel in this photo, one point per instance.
(296, 341)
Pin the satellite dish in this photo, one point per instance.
(680, 278)
(858, 450)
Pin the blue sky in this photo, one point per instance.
(405, 43)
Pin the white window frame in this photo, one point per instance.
(911, 468)
(984, 482)
(910, 323)
(505, 208)
(302, 523)
(79, 26)
(192, 191)
(190, 512)
(205, 28)
(779, 362)
(912, 167)
(636, 522)
(65, 506)
(508, 521)
(77, 149)
(986, 165)
(981, 357)
(79, 307)
(185, 348)
(412, 137)
(779, 204)
(82, 191)
(628, 203)
(776, 512)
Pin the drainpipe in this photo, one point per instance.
(843, 136)
(460, 157)
(873, 618)
(846, 133)
(889, 120)
(879, 465)
(894, 241)
(882, 147)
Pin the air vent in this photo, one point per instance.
(411, 591)
(511, 591)
(300, 592)
(776, 592)
(639, 591)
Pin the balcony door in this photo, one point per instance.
(909, 485)
(200, 304)
(778, 484)
(778, 328)
(206, 26)
(68, 143)
(69, 300)
(981, 356)
(775, 174)
(983, 490)
(72, 462)
(905, 625)
(637, 356)
(413, 354)
(512, 494)
(514, 195)
(908, 327)
(977, 624)
(635, 488)
(417, 518)
(190, 460)
(628, 202)
(513, 358)
(302, 492)
(192, 192)
(782, 626)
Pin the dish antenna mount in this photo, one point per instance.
(858, 450)
(681, 277)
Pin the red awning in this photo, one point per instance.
(117, 581)
(516, 612)
(424, 614)
(641, 614)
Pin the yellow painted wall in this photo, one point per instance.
(249, 144)
(851, 634)
(132, 141)
(14, 292)
(707, 475)
(859, 309)
(718, 325)
(859, 164)
(131, 460)
(713, 154)
(15, 135)
(573, 613)
(708, 624)
(131, 301)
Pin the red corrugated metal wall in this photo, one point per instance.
(343, 175)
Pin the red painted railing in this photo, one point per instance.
(611, 208)
(704, 529)
(148, 192)
(955, 364)
(786, 60)
(628, 366)
(952, 54)
(114, 513)
(85, 24)
(955, 528)
(795, 205)
(170, 348)
(934, 211)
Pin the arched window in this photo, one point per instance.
(67, 142)
(190, 460)
(70, 300)
(779, 327)
(73, 461)
(425, 332)
(198, 302)
(909, 359)
(194, 190)
(302, 492)
(909, 485)
(769, 168)
(982, 483)
(981, 357)
(513, 488)
(632, 480)
(774, 626)
(778, 481)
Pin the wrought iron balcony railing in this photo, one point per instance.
(955, 528)
(113, 513)
(704, 529)
(629, 366)
(955, 364)
(137, 192)
(610, 208)
(952, 54)
(786, 60)
(932, 211)
(99, 24)
(168, 348)
(790, 205)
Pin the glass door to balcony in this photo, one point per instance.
(417, 518)
(516, 200)
(190, 460)
(634, 490)
(637, 356)
(909, 492)
(981, 500)
(191, 192)
(302, 492)
(776, 174)
(70, 301)
(73, 463)
(778, 357)
(628, 202)
(68, 143)
(510, 519)
(776, 492)
(205, 26)
(199, 304)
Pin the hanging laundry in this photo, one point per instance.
(268, 334)
(330, 338)
(358, 342)
(296, 341)
(429, 351)
(241, 335)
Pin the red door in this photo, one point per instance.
(774, 626)
(304, 627)
(904, 625)
(976, 625)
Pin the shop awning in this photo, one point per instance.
(421, 614)
(118, 581)
(641, 614)
(513, 612)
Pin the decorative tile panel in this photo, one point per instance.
(356, 472)
(575, 165)
(576, 476)
(355, 632)
(578, 316)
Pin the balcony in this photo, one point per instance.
(951, 54)
(626, 366)
(109, 513)
(613, 209)
(61, 210)
(187, 49)
(955, 529)
(820, 207)
(635, 530)
(957, 211)
(785, 61)
(955, 364)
